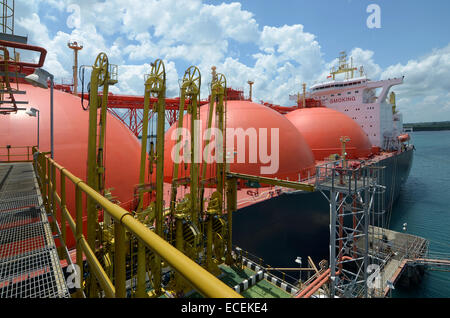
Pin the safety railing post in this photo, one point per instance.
(140, 290)
(53, 194)
(79, 233)
(119, 259)
(44, 182)
(62, 209)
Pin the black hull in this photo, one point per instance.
(297, 224)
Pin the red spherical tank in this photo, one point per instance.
(259, 141)
(122, 150)
(323, 128)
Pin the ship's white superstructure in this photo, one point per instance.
(365, 101)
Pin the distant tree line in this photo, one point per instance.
(434, 125)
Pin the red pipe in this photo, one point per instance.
(26, 47)
(315, 288)
(310, 286)
(320, 281)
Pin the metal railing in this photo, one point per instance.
(10, 154)
(200, 279)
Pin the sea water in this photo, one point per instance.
(424, 204)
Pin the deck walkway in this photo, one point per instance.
(29, 262)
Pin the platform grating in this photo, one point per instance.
(29, 263)
(36, 276)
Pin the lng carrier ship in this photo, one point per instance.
(364, 113)
(87, 210)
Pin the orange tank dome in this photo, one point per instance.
(122, 149)
(322, 129)
(295, 156)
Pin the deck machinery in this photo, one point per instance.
(198, 233)
(198, 225)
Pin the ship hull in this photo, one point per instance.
(297, 224)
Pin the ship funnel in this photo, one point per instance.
(38, 78)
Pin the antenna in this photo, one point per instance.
(250, 83)
(75, 47)
(343, 67)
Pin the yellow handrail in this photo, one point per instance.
(200, 279)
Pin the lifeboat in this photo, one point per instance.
(403, 137)
(322, 128)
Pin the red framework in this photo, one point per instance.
(130, 106)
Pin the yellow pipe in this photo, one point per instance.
(204, 282)
(79, 230)
(207, 284)
(53, 169)
(119, 260)
(70, 220)
(231, 207)
(97, 269)
(271, 181)
(62, 207)
(141, 262)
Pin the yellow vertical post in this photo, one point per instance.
(119, 260)
(194, 164)
(173, 193)
(101, 139)
(208, 132)
(44, 180)
(221, 86)
(179, 244)
(92, 154)
(141, 266)
(143, 148)
(209, 238)
(62, 208)
(79, 232)
(159, 208)
(156, 84)
(53, 170)
(231, 207)
(95, 169)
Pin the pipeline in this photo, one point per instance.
(26, 47)
(318, 282)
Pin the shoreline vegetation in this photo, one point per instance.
(427, 126)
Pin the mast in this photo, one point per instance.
(75, 47)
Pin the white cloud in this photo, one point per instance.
(424, 96)
(136, 32)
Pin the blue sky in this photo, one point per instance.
(277, 44)
(409, 28)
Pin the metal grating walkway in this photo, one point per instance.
(29, 262)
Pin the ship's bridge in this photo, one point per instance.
(339, 84)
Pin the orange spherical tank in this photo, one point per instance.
(122, 150)
(323, 128)
(259, 141)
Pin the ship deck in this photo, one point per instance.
(29, 262)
